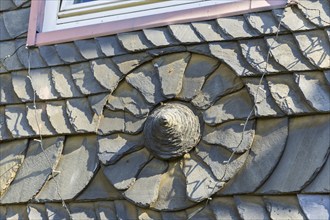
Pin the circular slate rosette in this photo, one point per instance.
(171, 134)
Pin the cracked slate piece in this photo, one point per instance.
(63, 82)
(134, 41)
(305, 152)
(76, 168)
(317, 11)
(68, 52)
(315, 46)
(38, 120)
(56, 113)
(50, 56)
(285, 51)
(125, 210)
(7, 94)
(4, 132)
(221, 82)
(251, 207)
(225, 109)
(22, 85)
(127, 63)
(15, 21)
(236, 27)
(84, 79)
(110, 45)
(230, 53)
(266, 151)
(36, 211)
(115, 146)
(12, 155)
(42, 83)
(263, 101)
(10, 63)
(208, 30)
(80, 115)
(17, 122)
(120, 176)
(200, 181)
(16, 212)
(79, 211)
(263, 22)
(24, 54)
(145, 189)
(171, 69)
(184, 33)
(105, 210)
(315, 89)
(284, 207)
(315, 206)
(198, 68)
(230, 135)
(287, 95)
(146, 80)
(36, 168)
(106, 73)
(159, 36)
(224, 208)
(88, 49)
(56, 211)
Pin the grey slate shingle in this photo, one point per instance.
(184, 33)
(159, 36)
(7, 94)
(16, 21)
(251, 207)
(29, 57)
(82, 211)
(50, 56)
(57, 116)
(134, 41)
(17, 122)
(88, 49)
(68, 52)
(4, 132)
(6, 5)
(127, 63)
(4, 35)
(315, 206)
(22, 85)
(224, 208)
(208, 30)
(41, 80)
(36, 211)
(263, 22)
(317, 11)
(110, 46)
(63, 82)
(8, 56)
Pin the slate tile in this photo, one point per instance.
(50, 56)
(7, 94)
(202, 49)
(127, 63)
(9, 58)
(221, 82)
(20, 3)
(315, 46)
(317, 11)
(16, 212)
(29, 57)
(22, 85)
(80, 211)
(106, 73)
(285, 51)
(315, 89)
(76, 168)
(4, 132)
(41, 80)
(235, 27)
(105, 210)
(208, 30)
(327, 76)
(68, 52)
(56, 211)
(266, 151)
(197, 70)
(184, 33)
(315, 206)
(16, 21)
(17, 122)
(6, 5)
(4, 35)
(36, 211)
(287, 95)
(159, 36)
(166, 50)
(283, 207)
(36, 168)
(229, 52)
(12, 155)
(63, 82)
(3, 208)
(98, 102)
(88, 49)
(134, 41)
(110, 46)
(38, 120)
(305, 153)
(171, 69)
(224, 208)
(181, 215)
(292, 19)
(147, 214)
(200, 212)
(251, 207)
(125, 210)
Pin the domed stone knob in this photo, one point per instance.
(171, 130)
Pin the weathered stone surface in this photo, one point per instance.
(88, 49)
(10, 63)
(12, 155)
(115, 146)
(110, 45)
(145, 189)
(159, 36)
(263, 101)
(221, 82)
(286, 53)
(236, 27)
(224, 208)
(16, 212)
(36, 168)
(22, 85)
(284, 207)
(232, 135)
(171, 69)
(15, 21)
(68, 52)
(184, 33)
(266, 150)
(56, 211)
(38, 120)
(123, 173)
(287, 95)
(146, 80)
(97, 102)
(317, 11)
(200, 182)
(17, 122)
(50, 56)
(4, 132)
(198, 68)
(172, 190)
(251, 207)
(208, 30)
(305, 153)
(63, 82)
(75, 169)
(226, 108)
(127, 63)
(106, 73)
(315, 89)
(80, 211)
(263, 22)
(36, 211)
(315, 206)
(134, 41)
(125, 210)
(56, 112)
(7, 94)
(105, 210)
